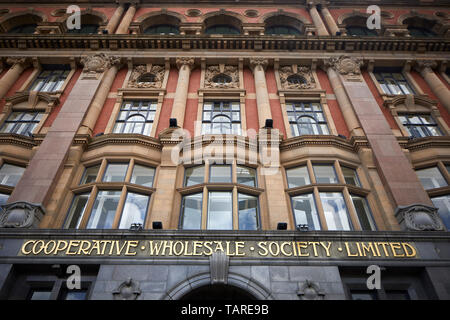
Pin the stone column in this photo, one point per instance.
(18, 65)
(415, 210)
(114, 21)
(123, 27)
(26, 205)
(262, 96)
(425, 68)
(185, 65)
(344, 103)
(318, 23)
(332, 26)
(111, 66)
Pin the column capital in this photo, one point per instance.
(98, 63)
(185, 61)
(425, 65)
(254, 62)
(344, 65)
(24, 61)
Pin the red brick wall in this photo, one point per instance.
(190, 115)
(16, 86)
(167, 105)
(251, 110)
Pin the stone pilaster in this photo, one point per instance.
(425, 68)
(317, 20)
(126, 21)
(115, 19)
(18, 65)
(258, 65)
(185, 65)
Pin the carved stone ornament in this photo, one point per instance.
(138, 71)
(254, 62)
(309, 290)
(19, 60)
(185, 61)
(127, 290)
(419, 217)
(349, 67)
(303, 72)
(219, 265)
(21, 215)
(213, 71)
(98, 63)
(427, 65)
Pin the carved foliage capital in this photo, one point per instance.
(185, 61)
(24, 61)
(99, 62)
(254, 62)
(345, 65)
(427, 65)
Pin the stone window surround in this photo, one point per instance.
(345, 189)
(232, 187)
(94, 187)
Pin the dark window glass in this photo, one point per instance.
(281, 30)
(350, 176)
(222, 117)
(90, 174)
(397, 295)
(51, 78)
(222, 78)
(296, 79)
(191, 212)
(431, 178)
(25, 29)
(420, 32)
(222, 29)
(146, 78)
(360, 31)
(40, 293)
(420, 125)
(363, 295)
(74, 294)
(76, 211)
(136, 117)
(162, 29)
(363, 212)
(306, 118)
(3, 198)
(248, 212)
(392, 81)
(85, 28)
(21, 122)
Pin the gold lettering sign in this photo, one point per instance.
(189, 248)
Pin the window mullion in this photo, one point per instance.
(88, 209)
(120, 205)
(235, 215)
(351, 210)
(204, 208)
(323, 221)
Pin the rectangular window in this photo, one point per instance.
(3, 198)
(305, 212)
(325, 173)
(431, 178)
(194, 175)
(246, 176)
(191, 212)
(143, 175)
(443, 205)
(420, 125)
(10, 174)
(74, 294)
(134, 210)
(248, 212)
(392, 81)
(76, 211)
(221, 117)
(90, 174)
(350, 176)
(363, 212)
(51, 79)
(363, 295)
(297, 177)
(42, 293)
(115, 172)
(335, 211)
(104, 210)
(306, 118)
(136, 117)
(22, 123)
(220, 211)
(220, 173)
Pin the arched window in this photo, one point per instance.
(136, 117)
(420, 27)
(221, 78)
(306, 118)
(221, 117)
(420, 32)
(24, 28)
(146, 78)
(282, 30)
(222, 29)
(360, 31)
(296, 79)
(87, 28)
(162, 29)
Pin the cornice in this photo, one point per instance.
(426, 142)
(18, 140)
(123, 139)
(352, 145)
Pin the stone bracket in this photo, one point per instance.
(419, 217)
(21, 214)
(219, 266)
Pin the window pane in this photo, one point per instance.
(73, 294)
(443, 205)
(431, 178)
(134, 210)
(335, 211)
(248, 212)
(191, 212)
(90, 174)
(3, 198)
(364, 216)
(220, 173)
(397, 295)
(325, 173)
(194, 175)
(220, 211)
(40, 294)
(143, 175)
(104, 210)
(297, 177)
(115, 172)
(350, 176)
(305, 211)
(76, 211)
(363, 295)
(10, 174)
(246, 176)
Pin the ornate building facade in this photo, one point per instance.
(246, 150)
